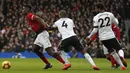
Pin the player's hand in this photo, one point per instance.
(89, 42)
(87, 38)
(47, 25)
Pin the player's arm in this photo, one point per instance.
(114, 20)
(92, 38)
(52, 28)
(95, 28)
(116, 30)
(38, 19)
(41, 21)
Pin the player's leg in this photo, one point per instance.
(64, 57)
(110, 58)
(117, 58)
(106, 53)
(115, 63)
(112, 44)
(121, 54)
(56, 55)
(47, 45)
(63, 47)
(62, 52)
(88, 57)
(79, 47)
(36, 49)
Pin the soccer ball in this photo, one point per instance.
(6, 65)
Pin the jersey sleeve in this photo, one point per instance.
(116, 30)
(73, 24)
(95, 22)
(54, 25)
(31, 16)
(95, 27)
(114, 20)
(117, 21)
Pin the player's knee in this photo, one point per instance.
(35, 48)
(55, 54)
(50, 51)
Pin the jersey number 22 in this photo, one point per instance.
(106, 19)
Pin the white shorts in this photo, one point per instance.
(42, 40)
(105, 50)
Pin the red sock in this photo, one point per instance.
(41, 55)
(112, 60)
(58, 57)
(115, 61)
(44, 59)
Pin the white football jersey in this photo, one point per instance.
(102, 23)
(65, 27)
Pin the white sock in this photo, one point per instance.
(121, 53)
(88, 57)
(117, 58)
(64, 57)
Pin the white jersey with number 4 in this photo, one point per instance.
(65, 27)
(103, 24)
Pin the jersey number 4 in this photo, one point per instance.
(64, 24)
(106, 19)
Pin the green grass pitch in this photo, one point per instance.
(79, 65)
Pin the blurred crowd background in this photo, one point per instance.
(16, 35)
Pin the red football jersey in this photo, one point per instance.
(35, 25)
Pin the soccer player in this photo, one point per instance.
(105, 50)
(42, 39)
(102, 23)
(65, 26)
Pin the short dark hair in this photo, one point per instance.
(100, 5)
(62, 13)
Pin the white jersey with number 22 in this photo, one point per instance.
(103, 22)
